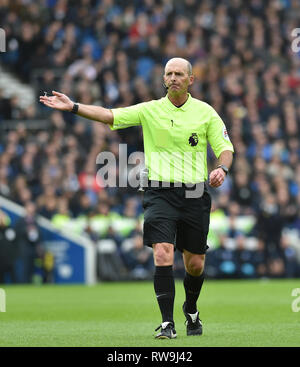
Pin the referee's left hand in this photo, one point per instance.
(216, 177)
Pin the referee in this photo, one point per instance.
(176, 129)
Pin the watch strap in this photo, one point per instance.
(224, 168)
(75, 108)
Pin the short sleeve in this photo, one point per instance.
(126, 116)
(217, 135)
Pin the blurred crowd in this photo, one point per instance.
(112, 53)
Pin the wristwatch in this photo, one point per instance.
(75, 108)
(224, 168)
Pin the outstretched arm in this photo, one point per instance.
(62, 102)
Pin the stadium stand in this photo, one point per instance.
(112, 53)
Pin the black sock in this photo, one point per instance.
(192, 286)
(164, 287)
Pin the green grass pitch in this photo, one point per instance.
(234, 314)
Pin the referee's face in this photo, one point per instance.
(177, 77)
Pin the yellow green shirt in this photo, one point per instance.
(175, 138)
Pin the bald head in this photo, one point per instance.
(180, 62)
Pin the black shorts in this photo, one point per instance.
(171, 217)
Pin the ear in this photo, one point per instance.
(191, 81)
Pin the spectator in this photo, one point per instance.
(62, 215)
(269, 230)
(29, 242)
(8, 249)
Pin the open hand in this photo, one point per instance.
(58, 101)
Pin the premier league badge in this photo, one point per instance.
(193, 139)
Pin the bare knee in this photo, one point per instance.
(194, 265)
(163, 254)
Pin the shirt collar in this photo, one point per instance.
(184, 107)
